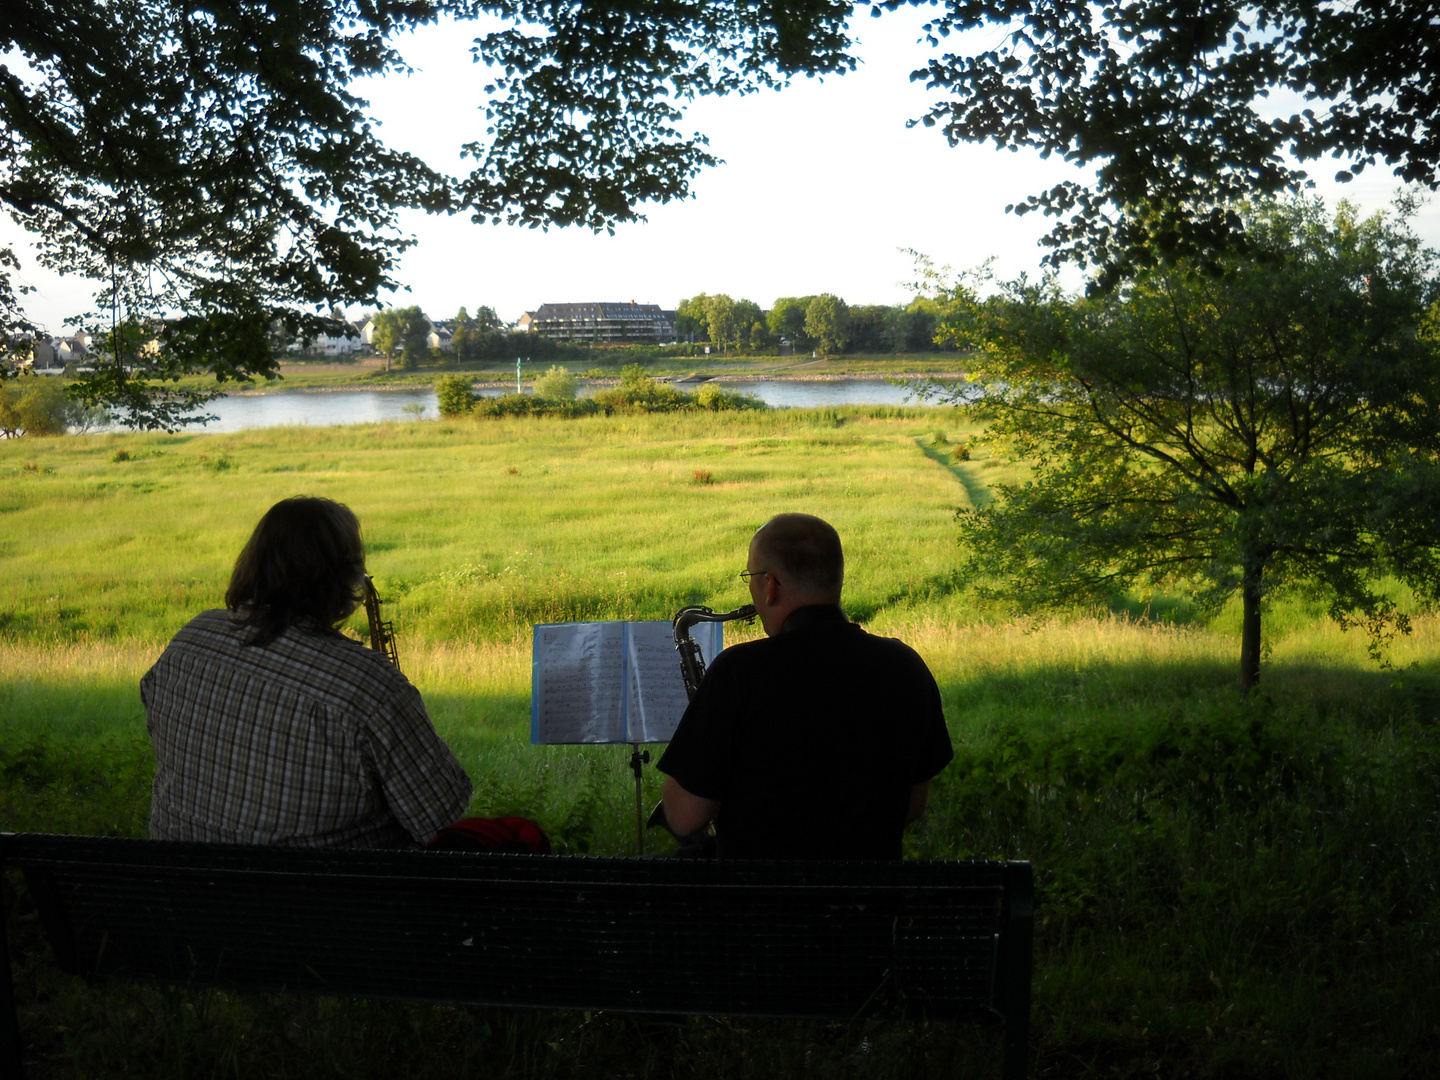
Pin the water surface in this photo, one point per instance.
(326, 408)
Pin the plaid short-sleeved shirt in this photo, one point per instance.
(313, 740)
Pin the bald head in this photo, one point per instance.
(804, 552)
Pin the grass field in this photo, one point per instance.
(1227, 889)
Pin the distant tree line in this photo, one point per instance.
(824, 324)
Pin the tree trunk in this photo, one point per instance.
(1250, 629)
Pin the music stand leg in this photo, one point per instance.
(638, 760)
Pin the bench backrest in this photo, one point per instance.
(812, 939)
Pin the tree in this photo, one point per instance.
(913, 329)
(1163, 98)
(721, 321)
(690, 318)
(453, 396)
(1268, 422)
(213, 165)
(1171, 103)
(558, 384)
(462, 341)
(827, 323)
(206, 165)
(786, 319)
(747, 314)
(33, 405)
(389, 331)
(868, 324)
(36, 405)
(404, 329)
(415, 337)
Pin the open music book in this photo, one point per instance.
(610, 682)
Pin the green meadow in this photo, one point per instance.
(1227, 888)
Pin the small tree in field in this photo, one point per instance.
(453, 395)
(557, 384)
(1268, 420)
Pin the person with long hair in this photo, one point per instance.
(272, 727)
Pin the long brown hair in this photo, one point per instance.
(303, 564)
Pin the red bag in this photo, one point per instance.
(518, 835)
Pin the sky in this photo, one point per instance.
(823, 189)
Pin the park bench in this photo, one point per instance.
(827, 940)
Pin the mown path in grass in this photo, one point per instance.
(1226, 889)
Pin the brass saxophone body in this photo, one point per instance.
(382, 633)
(692, 664)
(692, 667)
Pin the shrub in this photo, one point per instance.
(557, 384)
(453, 395)
(34, 405)
(638, 392)
(960, 453)
(120, 455)
(528, 405)
(715, 399)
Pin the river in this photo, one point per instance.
(322, 408)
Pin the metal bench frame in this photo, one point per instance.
(830, 940)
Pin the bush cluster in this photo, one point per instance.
(40, 405)
(555, 396)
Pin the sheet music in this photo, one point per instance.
(610, 682)
(573, 675)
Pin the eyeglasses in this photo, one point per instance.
(746, 575)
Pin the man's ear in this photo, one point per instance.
(773, 590)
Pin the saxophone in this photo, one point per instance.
(692, 669)
(382, 633)
(692, 664)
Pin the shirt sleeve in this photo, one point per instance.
(936, 750)
(423, 784)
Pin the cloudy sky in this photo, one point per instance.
(822, 190)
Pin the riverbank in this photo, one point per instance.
(369, 373)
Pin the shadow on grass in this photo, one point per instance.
(976, 490)
(1226, 889)
(1168, 610)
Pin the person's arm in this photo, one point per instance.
(919, 799)
(423, 784)
(686, 813)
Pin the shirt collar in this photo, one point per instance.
(815, 615)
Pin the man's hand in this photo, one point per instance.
(684, 812)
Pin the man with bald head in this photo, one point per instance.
(817, 741)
